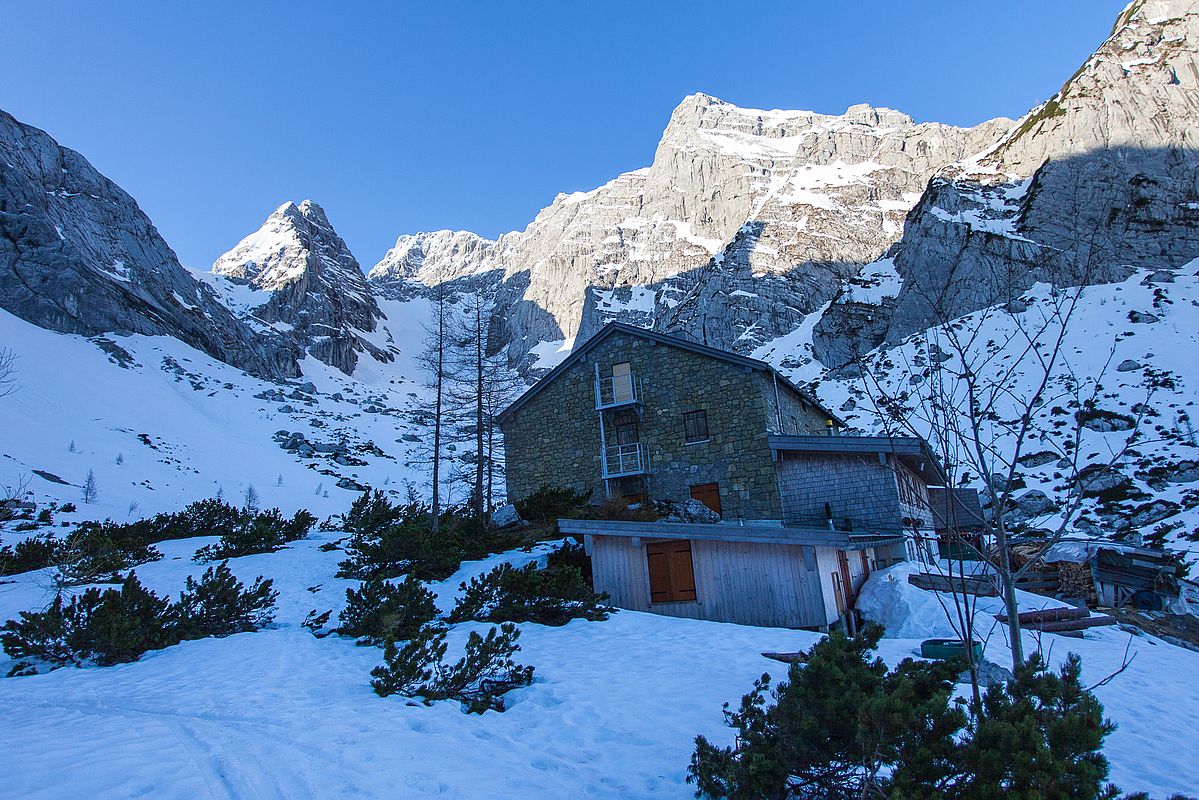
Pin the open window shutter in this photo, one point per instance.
(682, 571)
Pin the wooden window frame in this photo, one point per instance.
(670, 567)
(688, 425)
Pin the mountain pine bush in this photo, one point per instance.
(115, 626)
(388, 540)
(844, 726)
(478, 680)
(258, 532)
(219, 605)
(379, 611)
(551, 596)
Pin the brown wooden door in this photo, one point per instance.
(709, 495)
(671, 571)
(846, 580)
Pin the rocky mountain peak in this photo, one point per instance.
(1135, 91)
(78, 255)
(432, 258)
(314, 287)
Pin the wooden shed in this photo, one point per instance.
(752, 574)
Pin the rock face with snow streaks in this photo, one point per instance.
(78, 255)
(746, 216)
(1102, 176)
(309, 284)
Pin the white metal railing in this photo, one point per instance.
(625, 459)
(617, 390)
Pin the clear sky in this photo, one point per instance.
(402, 117)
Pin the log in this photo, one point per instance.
(1047, 615)
(980, 587)
(1074, 624)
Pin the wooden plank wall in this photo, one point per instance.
(744, 582)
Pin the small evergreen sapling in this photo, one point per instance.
(379, 611)
(251, 498)
(478, 680)
(90, 488)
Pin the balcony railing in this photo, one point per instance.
(625, 459)
(617, 390)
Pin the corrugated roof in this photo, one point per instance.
(661, 338)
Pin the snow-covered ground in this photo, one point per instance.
(175, 425)
(612, 713)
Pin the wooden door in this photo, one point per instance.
(671, 571)
(622, 382)
(709, 495)
(846, 579)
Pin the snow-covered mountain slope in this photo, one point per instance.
(162, 424)
(311, 286)
(1129, 346)
(789, 201)
(612, 713)
(78, 255)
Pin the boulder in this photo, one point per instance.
(506, 516)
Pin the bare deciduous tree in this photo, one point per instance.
(8, 371)
(985, 389)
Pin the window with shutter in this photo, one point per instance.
(671, 571)
(695, 427)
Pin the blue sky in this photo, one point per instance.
(405, 117)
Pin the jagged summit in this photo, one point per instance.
(292, 240)
(433, 257)
(316, 289)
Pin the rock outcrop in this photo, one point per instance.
(78, 255)
(307, 285)
(1102, 176)
(431, 258)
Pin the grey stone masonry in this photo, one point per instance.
(554, 438)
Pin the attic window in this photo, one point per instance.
(695, 427)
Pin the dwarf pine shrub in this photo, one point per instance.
(258, 532)
(388, 540)
(379, 611)
(1039, 737)
(551, 596)
(114, 626)
(478, 680)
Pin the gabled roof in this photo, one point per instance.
(914, 451)
(672, 341)
(963, 512)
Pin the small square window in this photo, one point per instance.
(695, 426)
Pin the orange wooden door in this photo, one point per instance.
(709, 495)
(671, 571)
